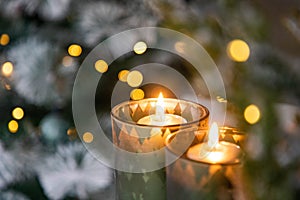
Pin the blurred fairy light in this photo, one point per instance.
(4, 39)
(140, 47)
(74, 50)
(13, 126)
(88, 137)
(7, 69)
(134, 78)
(137, 94)
(67, 61)
(18, 113)
(123, 75)
(252, 114)
(101, 66)
(238, 50)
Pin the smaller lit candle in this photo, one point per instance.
(213, 151)
(160, 118)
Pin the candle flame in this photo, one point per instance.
(160, 106)
(160, 99)
(213, 135)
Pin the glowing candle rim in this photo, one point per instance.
(203, 152)
(167, 118)
(121, 120)
(198, 159)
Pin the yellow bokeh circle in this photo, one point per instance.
(134, 78)
(74, 50)
(140, 47)
(88, 137)
(13, 126)
(18, 113)
(137, 94)
(123, 75)
(7, 68)
(252, 114)
(101, 66)
(238, 50)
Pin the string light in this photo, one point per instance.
(140, 47)
(18, 113)
(238, 50)
(101, 66)
(252, 114)
(7, 69)
(134, 78)
(74, 50)
(13, 126)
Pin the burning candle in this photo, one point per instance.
(213, 151)
(160, 118)
(141, 127)
(208, 170)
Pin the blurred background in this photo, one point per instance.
(255, 44)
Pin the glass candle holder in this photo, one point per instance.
(233, 135)
(145, 138)
(188, 179)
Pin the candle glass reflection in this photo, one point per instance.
(206, 178)
(136, 137)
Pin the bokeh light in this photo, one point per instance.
(72, 133)
(13, 126)
(140, 47)
(252, 114)
(134, 78)
(238, 50)
(180, 46)
(137, 94)
(67, 61)
(7, 68)
(123, 75)
(101, 66)
(18, 113)
(75, 50)
(4, 39)
(88, 137)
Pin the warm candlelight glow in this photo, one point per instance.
(213, 151)
(213, 135)
(160, 118)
